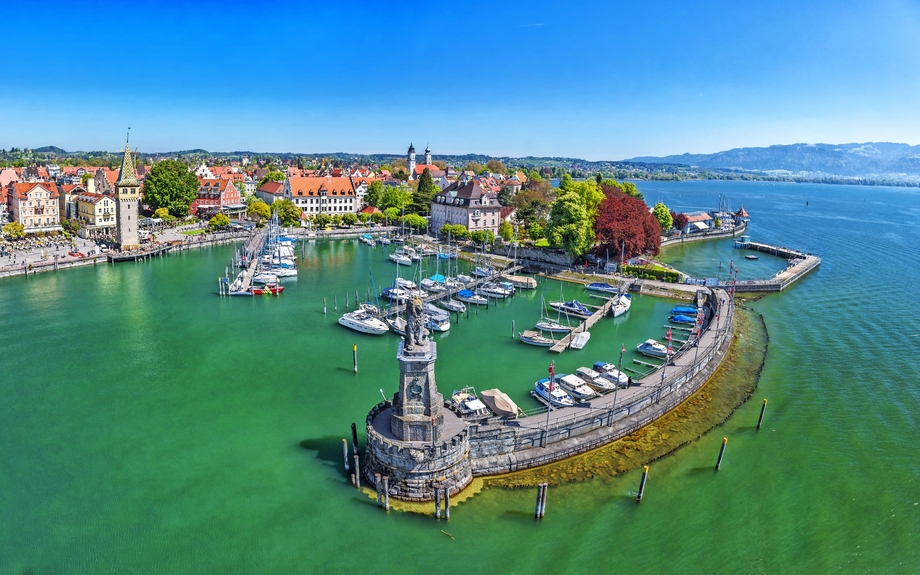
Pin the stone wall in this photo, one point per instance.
(536, 255)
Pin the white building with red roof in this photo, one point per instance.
(321, 195)
(465, 202)
(35, 206)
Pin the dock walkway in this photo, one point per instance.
(397, 309)
(563, 343)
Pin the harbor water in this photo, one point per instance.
(149, 425)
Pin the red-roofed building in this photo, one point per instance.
(466, 202)
(315, 195)
(216, 195)
(67, 199)
(269, 192)
(96, 213)
(35, 206)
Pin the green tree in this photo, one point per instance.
(349, 219)
(570, 227)
(374, 193)
(391, 214)
(474, 167)
(377, 217)
(663, 215)
(272, 176)
(482, 236)
(505, 196)
(322, 221)
(160, 213)
(14, 230)
(506, 231)
(218, 222)
(363, 217)
(170, 185)
(287, 211)
(394, 197)
(85, 178)
(455, 232)
(535, 231)
(336, 220)
(416, 222)
(496, 167)
(259, 210)
(421, 199)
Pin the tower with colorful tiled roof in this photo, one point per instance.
(127, 195)
(410, 161)
(427, 156)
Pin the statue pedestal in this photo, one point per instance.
(418, 413)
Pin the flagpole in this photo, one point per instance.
(616, 389)
(549, 402)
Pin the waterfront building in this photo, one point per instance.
(35, 206)
(127, 196)
(96, 214)
(216, 195)
(697, 222)
(321, 195)
(67, 199)
(270, 191)
(465, 202)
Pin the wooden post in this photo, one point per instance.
(355, 354)
(762, 410)
(437, 502)
(512, 329)
(536, 512)
(642, 483)
(386, 492)
(345, 452)
(543, 500)
(447, 503)
(354, 438)
(335, 303)
(377, 485)
(324, 306)
(721, 453)
(357, 473)
(352, 478)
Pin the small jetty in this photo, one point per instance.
(565, 342)
(137, 255)
(800, 263)
(250, 256)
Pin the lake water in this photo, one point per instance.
(151, 426)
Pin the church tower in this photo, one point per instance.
(410, 162)
(126, 198)
(427, 156)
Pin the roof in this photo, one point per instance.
(73, 188)
(126, 176)
(370, 210)
(274, 188)
(742, 213)
(420, 169)
(21, 190)
(91, 197)
(313, 185)
(697, 217)
(463, 194)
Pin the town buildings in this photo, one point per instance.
(270, 191)
(217, 196)
(321, 195)
(465, 202)
(96, 214)
(35, 206)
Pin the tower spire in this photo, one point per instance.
(126, 176)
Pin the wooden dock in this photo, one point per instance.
(397, 309)
(585, 326)
(253, 253)
(139, 255)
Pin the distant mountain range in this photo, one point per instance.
(849, 160)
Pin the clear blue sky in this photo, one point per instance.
(604, 80)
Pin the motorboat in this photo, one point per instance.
(594, 379)
(267, 289)
(624, 302)
(601, 287)
(483, 271)
(283, 272)
(400, 259)
(453, 305)
(397, 324)
(580, 339)
(465, 402)
(396, 294)
(652, 348)
(384, 240)
(265, 278)
(499, 403)
(576, 386)
(573, 307)
(468, 296)
(611, 373)
(553, 326)
(432, 285)
(405, 284)
(411, 253)
(684, 309)
(557, 397)
(436, 319)
(365, 320)
(464, 279)
(682, 319)
(494, 291)
(507, 286)
(536, 338)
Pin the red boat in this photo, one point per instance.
(267, 289)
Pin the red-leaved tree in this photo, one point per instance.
(680, 220)
(623, 220)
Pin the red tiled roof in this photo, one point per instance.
(274, 188)
(370, 210)
(21, 190)
(311, 186)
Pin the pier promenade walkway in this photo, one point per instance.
(563, 343)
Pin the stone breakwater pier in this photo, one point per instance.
(419, 444)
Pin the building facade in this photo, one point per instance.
(321, 195)
(96, 214)
(216, 195)
(127, 196)
(466, 203)
(35, 206)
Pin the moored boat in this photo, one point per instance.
(652, 348)
(684, 309)
(601, 287)
(624, 302)
(580, 339)
(267, 289)
(400, 259)
(611, 373)
(594, 379)
(365, 320)
(469, 296)
(535, 338)
(556, 396)
(573, 307)
(576, 386)
(682, 319)
(552, 326)
(453, 305)
(494, 291)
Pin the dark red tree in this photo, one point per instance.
(623, 220)
(680, 220)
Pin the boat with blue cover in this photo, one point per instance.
(684, 309)
(573, 307)
(602, 287)
(681, 318)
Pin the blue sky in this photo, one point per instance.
(602, 80)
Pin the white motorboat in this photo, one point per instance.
(531, 337)
(494, 291)
(384, 240)
(464, 279)
(429, 284)
(284, 272)
(264, 278)
(365, 320)
(573, 307)
(468, 296)
(400, 259)
(396, 294)
(576, 386)
(557, 397)
(405, 284)
(652, 348)
(453, 305)
(580, 339)
(397, 324)
(611, 373)
(553, 326)
(624, 301)
(594, 379)
(436, 324)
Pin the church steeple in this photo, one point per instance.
(410, 162)
(126, 176)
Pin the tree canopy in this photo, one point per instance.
(349, 219)
(218, 221)
(455, 232)
(170, 185)
(374, 193)
(394, 197)
(663, 215)
(259, 209)
(287, 211)
(272, 176)
(416, 221)
(570, 225)
(506, 231)
(483, 236)
(14, 230)
(623, 220)
(322, 220)
(496, 167)
(421, 199)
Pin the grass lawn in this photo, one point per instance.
(192, 232)
(542, 243)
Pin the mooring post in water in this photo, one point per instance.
(354, 352)
(642, 483)
(536, 512)
(335, 303)
(354, 438)
(324, 306)
(721, 453)
(345, 452)
(447, 503)
(377, 485)
(386, 492)
(357, 474)
(437, 502)
(512, 329)
(543, 500)
(762, 410)
(352, 478)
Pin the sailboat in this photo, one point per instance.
(546, 324)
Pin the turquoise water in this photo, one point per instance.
(151, 426)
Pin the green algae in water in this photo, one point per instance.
(729, 387)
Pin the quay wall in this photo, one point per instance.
(498, 447)
(699, 236)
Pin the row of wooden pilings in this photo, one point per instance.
(442, 492)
